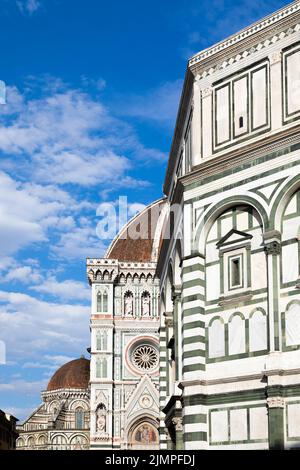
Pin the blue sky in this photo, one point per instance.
(92, 95)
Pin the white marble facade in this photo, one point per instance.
(229, 276)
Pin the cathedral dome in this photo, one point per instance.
(74, 374)
(139, 240)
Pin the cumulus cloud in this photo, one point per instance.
(64, 136)
(24, 274)
(66, 290)
(28, 210)
(32, 327)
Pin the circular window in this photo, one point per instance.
(145, 357)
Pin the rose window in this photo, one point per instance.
(145, 357)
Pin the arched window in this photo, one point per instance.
(99, 302)
(101, 368)
(105, 302)
(292, 325)
(216, 338)
(236, 336)
(258, 339)
(102, 340)
(102, 302)
(79, 418)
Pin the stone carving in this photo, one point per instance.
(101, 419)
(275, 57)
(207, 92)
(146, 305)
(273, 248)
(177, 423)
(255, 48)
(128, 303)
(275, 402)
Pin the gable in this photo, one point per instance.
(234, 236)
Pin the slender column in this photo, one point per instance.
(276, 407)
(196, 126)
(276, 89)
(207, 122)
(177, 334)
(272, 241)
(162, 382)
(177, 421)
(170, 443)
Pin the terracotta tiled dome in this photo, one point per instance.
(142, 248)
(74, 374)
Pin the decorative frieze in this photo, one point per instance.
(241, 55)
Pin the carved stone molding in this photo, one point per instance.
(272, 241)
(169, 322)
(275, 57)
(275, 402)
(256, 47)
(176, 294)
(273, 248)
(205, 92)
(177, 421)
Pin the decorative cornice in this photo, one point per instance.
(265, 23)
(242, 155)
(65, 393)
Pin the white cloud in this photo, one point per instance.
(66, 290)
(80, 243)
(20, 413)
(52, 363)
(28, 388)
(24, 274)
(31, 327)
(28, 210)
(67, 137)
(28, 6)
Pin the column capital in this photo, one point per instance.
(177, 421)
(275, 402)
(275, 57)
(176, 293)
(272, 242)
(205, 92)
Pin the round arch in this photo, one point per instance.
(214, 212)
(143, 434)
(177, 262)
(281, 202)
